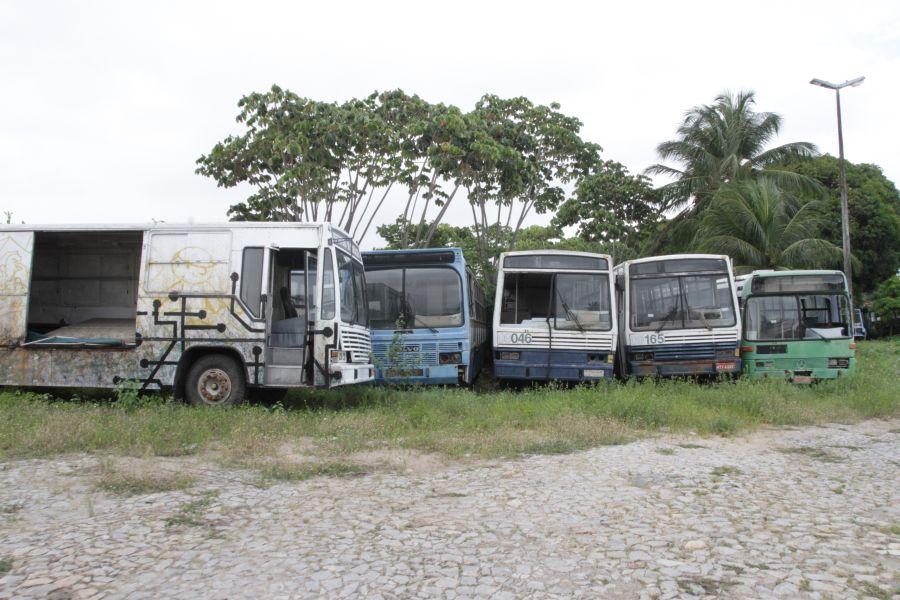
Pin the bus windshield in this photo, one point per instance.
(797, 317)
(415, 297)
(681, 302)
(582, 302)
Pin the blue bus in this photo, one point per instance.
(428, 316)
(554, 316)
(678, 316)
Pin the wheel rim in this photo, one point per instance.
(214, 386)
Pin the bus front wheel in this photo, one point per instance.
(215, 380)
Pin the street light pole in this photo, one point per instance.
(845, 210)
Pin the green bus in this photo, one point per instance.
(797, 326)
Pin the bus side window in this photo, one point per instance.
(251, 280)
(471, 291)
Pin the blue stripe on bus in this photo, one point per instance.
(544, 364)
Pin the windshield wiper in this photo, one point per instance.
(700, 313)
(418, 319)
(668, 317)
(569, 313)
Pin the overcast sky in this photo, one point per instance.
(104, 107)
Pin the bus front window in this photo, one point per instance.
(681, 302)
(773, 318)
(416, 297)
(582, 302)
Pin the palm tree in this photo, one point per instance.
(723, 142)
(762, 226)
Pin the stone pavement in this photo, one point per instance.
(810, 512)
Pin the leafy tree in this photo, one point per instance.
(886, 303)
(532, 153)
(874, 204)
(611, 207)
(306, 160)
(725, 141)
(762, 226)
(716, 144)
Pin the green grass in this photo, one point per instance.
(190, 514)
(814, 453)
(287, 471)
(130, 482)
(453, 422)
(725, 470)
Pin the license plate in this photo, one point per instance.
(724, 366)
(594, 373)
(404, 373)
(802, 379)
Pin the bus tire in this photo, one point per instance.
(215, 380)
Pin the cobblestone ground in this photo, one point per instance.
(808, 512)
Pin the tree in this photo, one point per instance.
(886, 303)
(532, 153)
(725, 141)
(762, 226)
(874, 204)
(307, 160)
(611, 207)
(716, 144)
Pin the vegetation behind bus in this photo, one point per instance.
(454, 422)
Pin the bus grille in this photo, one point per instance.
(358, 343)
(426, 355)
(572, 340)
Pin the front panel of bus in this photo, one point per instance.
(341, 335)
(420, 325)
(554, 318)
(681, 318)
(797, 326)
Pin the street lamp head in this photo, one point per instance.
(825, 84)
(837, 86)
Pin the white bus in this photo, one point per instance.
(554, 316)
(209, 311)
(678, 316)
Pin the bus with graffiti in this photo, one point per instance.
(210, 312)
(428, 316)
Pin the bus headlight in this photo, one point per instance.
(339, 356)
(838, 363)
(642, 356)
(450, 358)
(509, 355)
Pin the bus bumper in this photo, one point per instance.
(543, 365)
(684, 368)
(434, 375)
(765, 369)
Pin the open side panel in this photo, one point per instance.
(84, 289)
(15, 275)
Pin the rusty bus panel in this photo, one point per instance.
(106, 305)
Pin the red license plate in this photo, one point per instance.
(724, 366)
(802, 379)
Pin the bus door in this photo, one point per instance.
(291, 293)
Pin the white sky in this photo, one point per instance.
(104, 107)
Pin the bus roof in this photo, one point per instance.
(414, 251)
(769, 273)
(671, 257)
(163, 226)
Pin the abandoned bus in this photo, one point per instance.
(428, 316)
(554, 316)
(209, 311)
(677, 316)
(797, 326)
